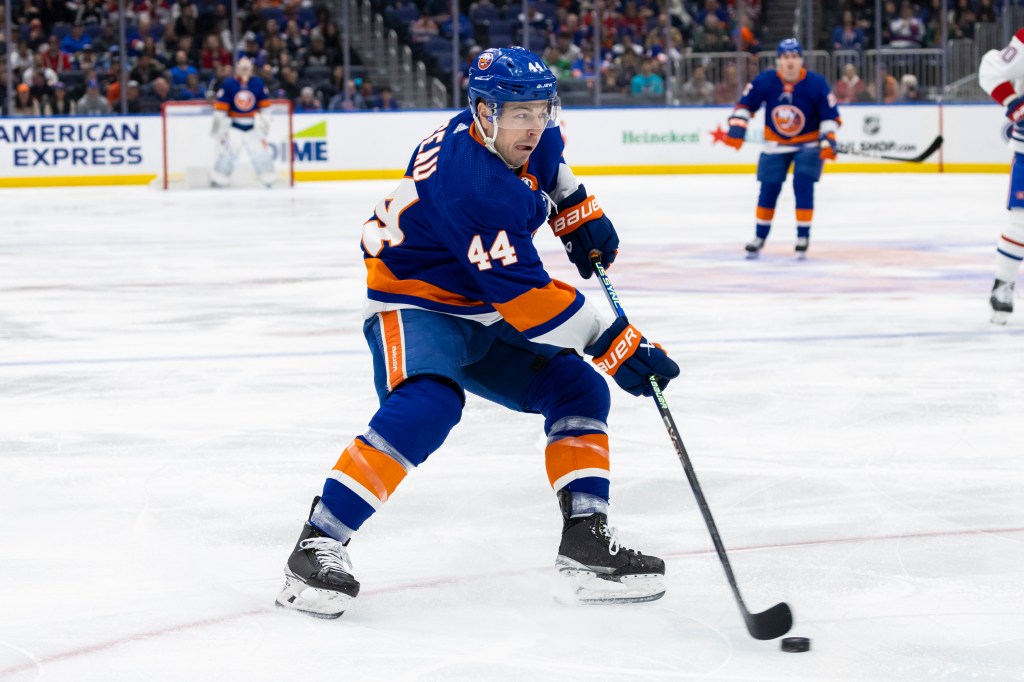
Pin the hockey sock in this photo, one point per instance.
(574, 400)
(803, 188)
(413, 422)
(766, 202)
(1010, 250)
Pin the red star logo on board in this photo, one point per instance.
(718, 135)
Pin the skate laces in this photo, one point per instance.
(329, 552)
(611, 533)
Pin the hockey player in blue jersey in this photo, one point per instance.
(801, 120)
(458, 302)
(240, 122)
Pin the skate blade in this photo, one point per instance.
(801, 255)
(577, 586)
(313, 601)
(752, 255)
(1000, 317)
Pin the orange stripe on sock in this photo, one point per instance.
(570, 454)
(371, 468)
(765, 213)
(804, 215)
(394, 347)
(1005, 238)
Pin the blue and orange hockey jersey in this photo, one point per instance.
(241, 101)
(456, 237)
(795, 113)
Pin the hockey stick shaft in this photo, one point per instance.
(868, 154)
(777, 620)
(929, 150)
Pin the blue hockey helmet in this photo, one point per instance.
(790, 46)
(512, 74)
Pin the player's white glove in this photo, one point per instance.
(220, 124)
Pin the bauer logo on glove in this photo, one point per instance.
(624, 354)
(571, 218)
(584, 229)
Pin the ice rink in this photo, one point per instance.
(179, 371)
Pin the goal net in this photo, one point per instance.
(190, 151)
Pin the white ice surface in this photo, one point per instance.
(179, 371)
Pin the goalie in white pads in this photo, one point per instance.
(240, 121)
(1000, 74)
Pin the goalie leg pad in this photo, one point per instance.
(224, 165)
(262, 159)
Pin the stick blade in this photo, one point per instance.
(775, 622)
(934, 147)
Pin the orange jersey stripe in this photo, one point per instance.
(537, 306)
(371, 468)
(575, 453)
(380, 278)
(772, 136)
(393, 337)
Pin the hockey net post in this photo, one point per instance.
(189, 151)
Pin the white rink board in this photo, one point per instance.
(331, 146)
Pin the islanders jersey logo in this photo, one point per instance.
(244, 100)
(788, 120)
(485, 60)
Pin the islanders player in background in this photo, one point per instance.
(1000, 74)
(458, 302)
(240, 121)
(801, 120)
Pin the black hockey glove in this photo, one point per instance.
(582, 226)
(624, 354)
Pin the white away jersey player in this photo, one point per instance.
(1001, 75)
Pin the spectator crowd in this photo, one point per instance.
(66, 57)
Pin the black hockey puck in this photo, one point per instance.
(796, 644)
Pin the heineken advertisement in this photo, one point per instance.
(660, 137)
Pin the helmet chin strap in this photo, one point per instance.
(489, 141)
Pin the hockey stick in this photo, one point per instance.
(932, 148)
(769, 624)
(840, 149)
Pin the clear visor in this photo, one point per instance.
(526, 115)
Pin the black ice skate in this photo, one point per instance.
(596, 569)
(754, 247)
(318, 577)
(801, 247)
(1001, 301)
